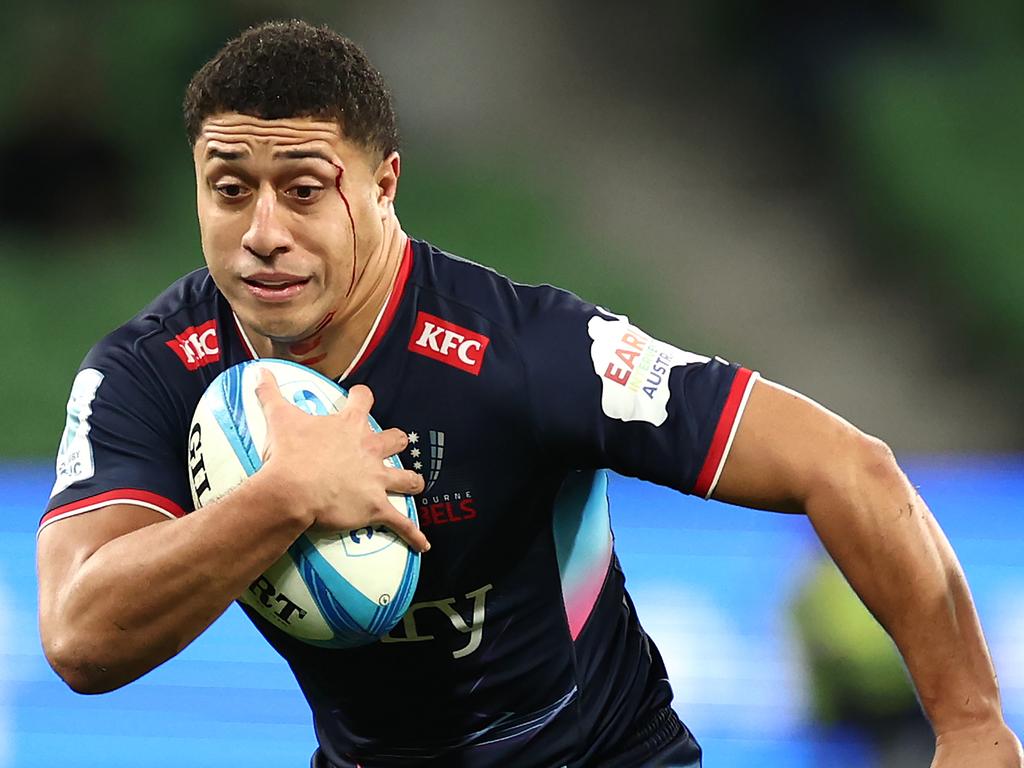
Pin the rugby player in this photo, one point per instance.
(522, 646)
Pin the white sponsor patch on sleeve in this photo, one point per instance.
(74, 457)
(634, 369)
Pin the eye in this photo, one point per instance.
(230, 190)
(305, 193)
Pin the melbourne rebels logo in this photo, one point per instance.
(426, 455)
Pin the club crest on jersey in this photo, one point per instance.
(197, 346)
(448, 343)
(634, 369)
(425, 454)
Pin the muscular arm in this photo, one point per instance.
(791, 455)
(121, 589)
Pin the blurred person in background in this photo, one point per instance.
(297, 170)
(858, 682)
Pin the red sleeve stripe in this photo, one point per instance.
(728, 421)
(153, 501)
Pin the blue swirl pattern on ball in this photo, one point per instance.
(354, 618)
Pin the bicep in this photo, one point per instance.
(785, 446)
(64, 546)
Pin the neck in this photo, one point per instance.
(333, 348)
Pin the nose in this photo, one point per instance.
(267, 236)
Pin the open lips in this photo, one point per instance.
(275, 286)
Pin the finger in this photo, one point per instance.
(360, 398)
(390, 441)
(267, 391)
(403, 481)
(405, 528)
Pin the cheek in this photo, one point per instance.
(327, 234)
(221, 235)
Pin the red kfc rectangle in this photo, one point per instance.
(197, 346)
(448, 343)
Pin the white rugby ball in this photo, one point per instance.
(336, 590)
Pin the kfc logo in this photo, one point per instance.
(197, 346)
(448, 343)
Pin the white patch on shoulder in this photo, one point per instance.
(74, 457)
(634, 370)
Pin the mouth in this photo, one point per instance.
(275, 286)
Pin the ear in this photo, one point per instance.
(386, 179)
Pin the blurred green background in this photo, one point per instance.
(829, 195)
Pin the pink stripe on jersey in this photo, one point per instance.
(580, 593)
(583, 544)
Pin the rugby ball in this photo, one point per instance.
(337, 590)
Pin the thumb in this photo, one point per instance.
(268, 393)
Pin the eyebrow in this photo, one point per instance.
(220, 154)
(288, 154)
(302, 154)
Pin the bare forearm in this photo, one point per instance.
(790, 454)
(886, 542)
(142, 597)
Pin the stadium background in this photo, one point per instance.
(829, 195)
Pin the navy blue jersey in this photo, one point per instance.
(521, 646)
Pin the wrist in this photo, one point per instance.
(276, 491)
(978, 714)
(980, 743)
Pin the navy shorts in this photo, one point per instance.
(665, 742)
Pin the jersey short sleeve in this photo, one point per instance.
(603, 393)
(118, 443)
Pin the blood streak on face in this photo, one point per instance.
(311, 342)
(348, 208)
(325, 322)
(305, 347)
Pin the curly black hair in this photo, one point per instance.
(285, 69)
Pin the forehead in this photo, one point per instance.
(236, 133)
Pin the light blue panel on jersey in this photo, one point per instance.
(583, 543)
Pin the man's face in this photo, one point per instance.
(291, 215)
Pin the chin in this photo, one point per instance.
(286, 327)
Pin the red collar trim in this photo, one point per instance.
(243, 338)
(394, 300)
